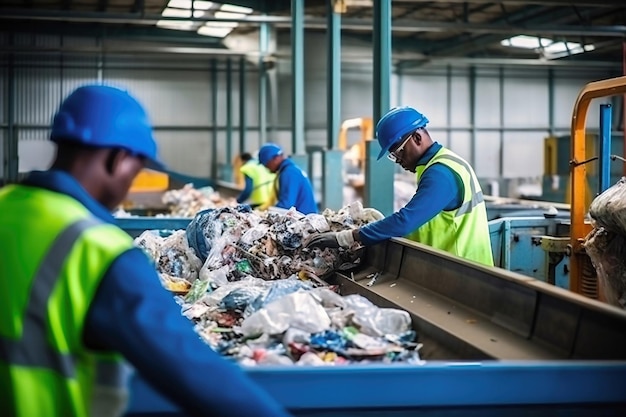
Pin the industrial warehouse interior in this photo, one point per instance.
(312, 208)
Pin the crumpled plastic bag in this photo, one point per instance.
(277, 290)
(208, 225)
(150, 242)
(608, 210)
(172, 255)
(215, 298)
(300, 310)
(373, 320)
(607, 251)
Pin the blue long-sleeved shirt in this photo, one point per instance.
(133, 314)
(247, 191)
(439, 188)
(294, 188)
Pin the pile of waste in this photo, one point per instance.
(258, 295)
(187, 201)
(606, 243)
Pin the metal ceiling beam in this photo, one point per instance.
(139, 33)
(123, 49)
(365, 25)
(521, 62)
(528, 26)
(566, 3)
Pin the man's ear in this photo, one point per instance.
(113, 159)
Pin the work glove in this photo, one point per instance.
(333, 240)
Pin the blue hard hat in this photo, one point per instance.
(397, 123)
(268, 152)
(106, 117)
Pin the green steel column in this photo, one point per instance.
(298, 144)
(214, 119)
(501, 151)
(379, 175)
(11, 143)
(551, 100)
(242, 105)
(227, 167)
(472, 104)
(263, 47)
(332, 189)
(449, 105)
(297, 74)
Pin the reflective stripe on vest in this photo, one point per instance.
(477, 197)
(32, 350)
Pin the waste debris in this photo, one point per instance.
(257, 295)
(606, 243)
(183, 202)
(187, 201)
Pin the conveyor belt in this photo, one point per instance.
(466, 315)
(464, 310)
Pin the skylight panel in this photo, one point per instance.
(218, 32)
(228, 15)
(545, 47)
(169, 12)
(235, 9)
(174, 24)
(186, 4)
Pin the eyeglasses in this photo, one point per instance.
(394, 155)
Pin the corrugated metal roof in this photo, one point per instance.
(430, 30)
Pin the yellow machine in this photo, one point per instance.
(357, 151)
(356, 154)
(150, 181)
(583, 279)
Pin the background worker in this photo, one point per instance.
(292, 187)
(258, 182)
(446, 212)
(82, 297)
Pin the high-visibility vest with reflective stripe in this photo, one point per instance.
(464, 231)
(262, 180)
(53, 255)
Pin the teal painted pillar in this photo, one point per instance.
(227, 168)
(297, 74)
(332, 180)
(11, 161)
(379, 175)
(302, 161)
(214, 119)
(298, 144)
(472, 104)
(242, 105)
(263, 47)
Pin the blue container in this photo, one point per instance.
(498, 388)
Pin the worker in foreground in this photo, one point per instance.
(292, 187)
(446, 212)
(259, 182)
(79, 297)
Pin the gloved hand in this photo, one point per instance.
(333, 240)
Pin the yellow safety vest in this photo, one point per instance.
(53, 254)
(464, 231)
(262, 180)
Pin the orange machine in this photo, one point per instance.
(366, 126)
(150, 181)
(583, 279)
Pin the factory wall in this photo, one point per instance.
(495, 117)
